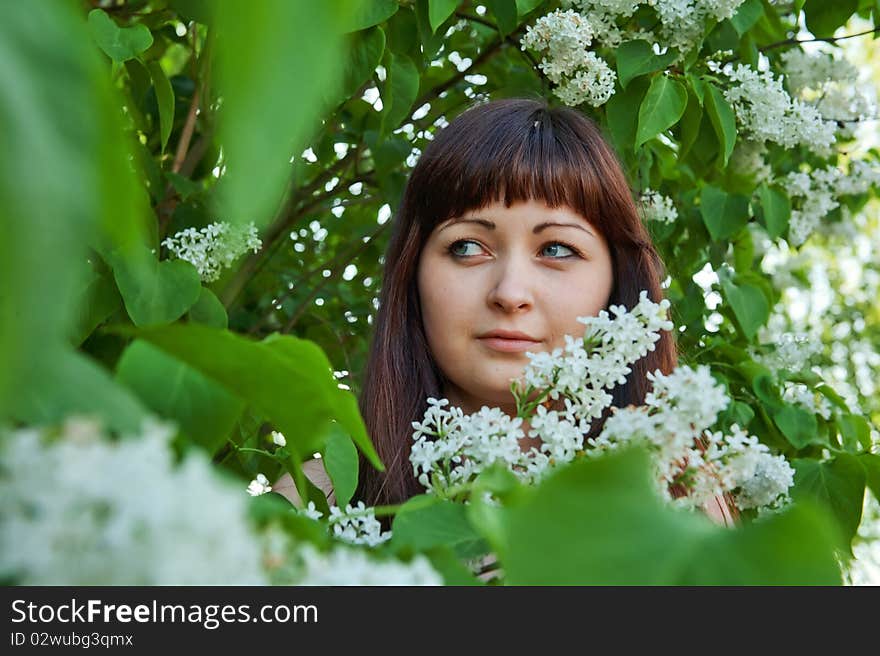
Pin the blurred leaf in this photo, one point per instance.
(209, 310)
(341, 462)
(871, 463)
(118, 43)
(838, 485)
(523, 7)
(165, 99)
(97, 301)
(637, 57)
(203, 410)
(747, 14)
(856, 432)
(269, 110)
(285, 378)
(662, 107)
(604, 525)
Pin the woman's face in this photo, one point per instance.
(526, 268)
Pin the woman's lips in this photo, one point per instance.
(509, 345)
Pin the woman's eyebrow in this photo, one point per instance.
(538, 228)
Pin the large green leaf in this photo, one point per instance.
(723, 120)
(637, 57)
(750, 306)
(98, 299)
(287, 379)
(724, 214)
(49, 215)
(119, 43)
(68, 383)
(209, 310)
(838, 485)
(203, 410)
(871, 463)
(622, 115)
(598, 521)
(505, 13)
(662, 107)
(855, 431)
(270, 109)
(747, 14)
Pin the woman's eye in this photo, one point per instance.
(459, 248)
(555, 246)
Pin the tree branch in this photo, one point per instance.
(826, 39)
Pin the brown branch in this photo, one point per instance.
(826, 39)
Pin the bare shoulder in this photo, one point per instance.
(315, 472)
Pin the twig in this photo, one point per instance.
(826, 39)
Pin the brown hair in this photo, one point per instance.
(509, 150)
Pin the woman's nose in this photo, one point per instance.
(512, 290)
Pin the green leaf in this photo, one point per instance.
(97, 301)
(505, 12)
(750, 306)
(662, 107)
(209, 310)
(604, 525)
(118, 43)
(690, 123)
(155, 292)
(361, 14)
(523, 7)
(341, 463)
(165, 98)
(723, 120)
(775, 210)
(622, 115)
(286, 379)
(798, 425)
(637, 57)
(69, 383)
(439, 11)
(824, 17)
(204, 410)
(747, 15)
(855, 431)
(871, 463)
(723, 214)
(838, 485)
(443, 523)
(50, 216)
(365, 54)
(401, 89)
(270, 110)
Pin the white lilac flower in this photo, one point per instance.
(808, 399)
(748, 160)
(767, 112)
(260, 485)
(214, 247)
(658, 207)
(593, 84)
(451, 448)
(812, 70)
(80, 509)
(346, 566)
(790, 352)
(279, 439)
(357, 525)
(311, 511)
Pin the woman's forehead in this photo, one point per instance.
(535, 214)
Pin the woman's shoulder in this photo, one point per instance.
(316, 473)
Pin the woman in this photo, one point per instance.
(516, 220)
